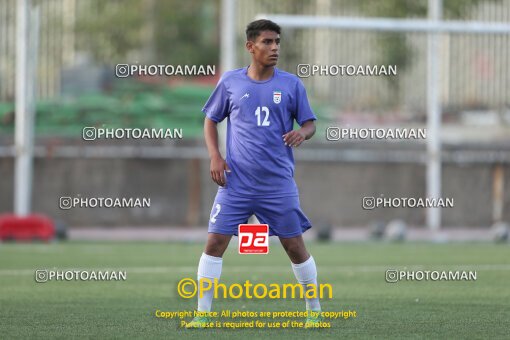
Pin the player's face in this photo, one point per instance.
(265, 49)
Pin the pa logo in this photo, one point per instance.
(277, 97)
(253, 238)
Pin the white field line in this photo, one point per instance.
(269, 269)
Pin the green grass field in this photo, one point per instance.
(126, 309)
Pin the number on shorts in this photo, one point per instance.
(218, 209)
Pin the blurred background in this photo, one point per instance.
(79, 42)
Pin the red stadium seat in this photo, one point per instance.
(28, 228)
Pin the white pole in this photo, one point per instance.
(33, 48)
(23, 157)
(433, 118)
(388, 24)
(227, 53)
(228, 35)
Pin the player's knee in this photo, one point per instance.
(214, 250)
(296, 252)
(215, 247)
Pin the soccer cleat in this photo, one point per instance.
(313, 320)
(198, 322)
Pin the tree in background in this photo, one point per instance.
(164, 32)
(394, 48)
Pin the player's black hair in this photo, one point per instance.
(255, 27)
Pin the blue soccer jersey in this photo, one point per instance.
(259, 113)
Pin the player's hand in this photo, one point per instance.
(218, 166)
(294, 138)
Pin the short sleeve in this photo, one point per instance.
(217, 106)
(303, 112)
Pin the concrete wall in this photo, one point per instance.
(335, 194)
(329, 192)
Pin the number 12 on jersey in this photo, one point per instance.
(264, 112)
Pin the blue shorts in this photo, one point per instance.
(282, 214)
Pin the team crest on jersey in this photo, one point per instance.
(277, 97)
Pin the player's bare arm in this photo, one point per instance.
(218, 164)
(294, 138)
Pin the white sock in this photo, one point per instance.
(209, 267)
(306, 273)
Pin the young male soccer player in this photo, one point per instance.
(261, 103)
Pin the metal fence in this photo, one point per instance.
(475, 67)
(474, 75)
